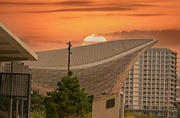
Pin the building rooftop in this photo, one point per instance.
(161, 49)
(87, 56)
(100, 68)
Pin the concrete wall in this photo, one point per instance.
(100, 110)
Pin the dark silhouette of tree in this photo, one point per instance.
(69, 100)
(37, 102)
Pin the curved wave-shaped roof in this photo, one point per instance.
(99, 67)
(84, 55)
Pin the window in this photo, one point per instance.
(110, 103)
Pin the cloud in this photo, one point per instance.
(142, 15)
(139, 5)
(76, 3)
(76, 6)
(69, 3)
(82, 6)
(167, 38)
(137, 15)
(25, 3)
(85, 9)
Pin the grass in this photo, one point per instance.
(36, 114)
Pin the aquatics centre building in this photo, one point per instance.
(101, 68)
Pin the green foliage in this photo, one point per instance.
(144, 116)
(39, 114)
(128, 113)
(88, 115)
(37, 102)
(68, 100)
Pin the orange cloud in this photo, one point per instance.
(54, 22)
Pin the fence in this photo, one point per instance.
(15, 93)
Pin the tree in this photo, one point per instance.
(37, 101)
(68, 100)
(37, 105)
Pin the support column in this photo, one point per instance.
(28, 98)
(17, 108)
(10, 107)
(11, 89)
(21, 108)
(120, 100)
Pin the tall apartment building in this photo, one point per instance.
(178, 96)
(151, 85)
(178, 88)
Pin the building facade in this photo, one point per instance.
(100, 68)
(178, 96)
(151, 85)
(178, 88)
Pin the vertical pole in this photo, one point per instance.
(11, 99)
(17, 108)
(21, 108)
(10, 107)
(69, 55)
(28, 97)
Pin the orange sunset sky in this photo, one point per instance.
(50, 24)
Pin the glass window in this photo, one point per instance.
(110, 103)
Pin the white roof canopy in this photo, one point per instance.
(12, 48)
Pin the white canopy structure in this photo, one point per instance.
(12, 48)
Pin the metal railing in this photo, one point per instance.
(15, 91)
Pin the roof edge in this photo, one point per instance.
(18, 44)
(153, 41)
